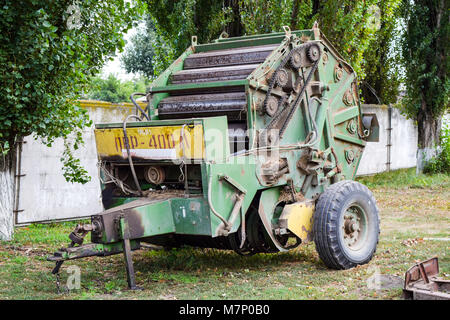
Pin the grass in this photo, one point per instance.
(410, 208)
(406, 178)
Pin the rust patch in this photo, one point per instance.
(286, 196)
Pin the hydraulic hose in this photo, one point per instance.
(127, 146)
(138, 107)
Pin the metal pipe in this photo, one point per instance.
(138, 107)
(17, 175)
(389, 139)
(225, 222)
(127, 146)
(183, 141)
(236, 208)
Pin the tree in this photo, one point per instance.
(139, 54)
(48, 52)
(176, 21)
(381, 59)
(425, 47)
(114, 90)
(346, 23)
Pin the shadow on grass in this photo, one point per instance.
(195, 259)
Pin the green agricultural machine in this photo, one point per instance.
(247, 144)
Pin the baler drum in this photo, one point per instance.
(232, 104)
(229, 57)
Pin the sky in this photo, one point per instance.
(115, 66)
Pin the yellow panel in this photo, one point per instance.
(299, 219)
(162, 142)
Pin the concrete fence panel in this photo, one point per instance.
(397, 146)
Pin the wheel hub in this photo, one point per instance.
(354, 226)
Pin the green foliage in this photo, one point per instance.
(440, 163)
(176, 21)
(349, 26)
(260, 16)
(382, 58)
(72, 169)
(346, 23)
(425, 47)
(114, 90)
(48, 52)
(139, 55)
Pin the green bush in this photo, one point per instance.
(440, 163)
(115, 90)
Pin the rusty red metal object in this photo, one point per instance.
(422, 282)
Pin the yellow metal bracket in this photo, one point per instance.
(298, 218)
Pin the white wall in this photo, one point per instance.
(403, 140)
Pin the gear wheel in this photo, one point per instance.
(282, 78)
(271, 106)
(295, 60)
(313, 53)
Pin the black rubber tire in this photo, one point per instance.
(328, 234)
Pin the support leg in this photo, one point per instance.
(127, 255)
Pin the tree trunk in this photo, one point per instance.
(429, 131)
(294, 14)
(234, 28)
(7, 196)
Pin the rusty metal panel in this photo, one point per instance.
(146, 217)
(422, 282)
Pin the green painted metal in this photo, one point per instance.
(346, 114)
(250, 41)
(191, 216)
(278, 35)
(206, 85)
(147, 218)
(223, 194)
(156, 218)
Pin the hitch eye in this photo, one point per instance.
(371, 127)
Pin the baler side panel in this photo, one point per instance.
(223, 193)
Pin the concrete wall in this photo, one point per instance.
(45, 195)
(403, 142)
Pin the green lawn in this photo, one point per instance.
(411, 207)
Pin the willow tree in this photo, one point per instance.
(48, 52)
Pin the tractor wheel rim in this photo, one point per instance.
(354, 227)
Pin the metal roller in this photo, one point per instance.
(228, 57)
(232, 104)
(213, 74)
